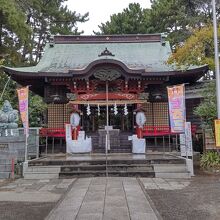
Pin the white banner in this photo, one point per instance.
(186, 141)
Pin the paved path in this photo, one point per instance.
(167, 184)
(112, 198)
(22, 190)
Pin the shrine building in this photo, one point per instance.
(123, 72)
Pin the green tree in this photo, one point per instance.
(46, 18)
(197, 50)
(207, 109)
(133, 20)
(177, 18)
(25, 26)
(36, 110)
(13, 31)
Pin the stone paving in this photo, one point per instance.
(166, 184)
(114, 198)
(22, 190)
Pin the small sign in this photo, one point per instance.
(186, 141)
(217, 133)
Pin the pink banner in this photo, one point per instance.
(23, 107)
(177, 113)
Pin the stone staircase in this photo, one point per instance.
(42, 172)
(124, 146)
(171, 171)
(152, 167)
(114, 168)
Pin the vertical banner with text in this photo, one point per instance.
(23, 107)
(186, 148)
(177, 113)
(217, 133)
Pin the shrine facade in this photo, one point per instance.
(123, 72)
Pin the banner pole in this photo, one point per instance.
(26, 146)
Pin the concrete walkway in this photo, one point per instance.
(101, 198)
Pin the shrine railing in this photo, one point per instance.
(160, 130)
(52, 132)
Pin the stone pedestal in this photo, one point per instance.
(15, 144)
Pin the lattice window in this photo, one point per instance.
(66, 112)
(147, 107)
(160, 111)
(55, 116)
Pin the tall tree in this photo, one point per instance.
(177, 18)
(197, 50)
(25, 26)
(132, 20)
(46, 18)
(207, 109)
(13, 31)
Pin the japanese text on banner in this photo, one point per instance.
(23, 107)
(176, 99)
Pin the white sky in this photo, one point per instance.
(100, 11)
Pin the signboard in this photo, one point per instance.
(217, 133)
(23, 107)
(176, 100)
(186, 141)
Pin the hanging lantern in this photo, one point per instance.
(125, 110)
(98, 110)
(88, 111)
(115, 109)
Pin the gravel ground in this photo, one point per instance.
(24, 210)
(200, 200)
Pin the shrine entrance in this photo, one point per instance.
(97, 119)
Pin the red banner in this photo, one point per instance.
(23, 107)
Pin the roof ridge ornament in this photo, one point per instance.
(106, 52)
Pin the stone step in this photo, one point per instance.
(120, 151)
(171, 171)
(173, 175)
(44, 169)
(149, 174)
(37, 175)
(170, 168)
(119, 167)
(42, 172)
(102, 161)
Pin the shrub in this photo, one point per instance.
(210, 159)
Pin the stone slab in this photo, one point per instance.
(104, 198)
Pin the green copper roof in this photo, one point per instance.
(150, 56)
(138, 53)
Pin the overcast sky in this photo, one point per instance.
(100, 11)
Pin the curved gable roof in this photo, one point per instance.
(136, 54)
